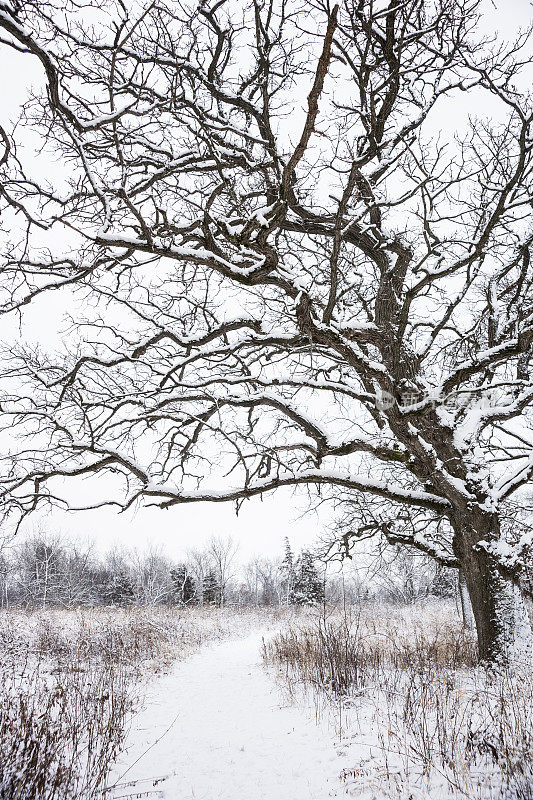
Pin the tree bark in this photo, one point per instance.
(502, 622)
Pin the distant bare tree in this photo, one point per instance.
(271, 590)
(39, 576)
(221, 552)
(337, 295)
(264, 584)
(151, 576)
(79, 574)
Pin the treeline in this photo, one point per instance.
(47, 569)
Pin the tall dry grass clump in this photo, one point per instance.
(424, 719)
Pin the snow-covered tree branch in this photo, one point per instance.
(280, 271)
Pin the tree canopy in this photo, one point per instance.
(285, 265)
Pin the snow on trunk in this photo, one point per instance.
(502, 620)
(514, 638)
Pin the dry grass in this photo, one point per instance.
(423, 719)
(70, 682)
(344, 653)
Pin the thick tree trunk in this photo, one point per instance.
(502, 621)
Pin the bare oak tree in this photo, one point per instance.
(282, 267)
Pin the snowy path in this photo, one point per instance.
(217, 728)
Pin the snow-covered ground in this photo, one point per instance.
(419, 721)
(217, 727)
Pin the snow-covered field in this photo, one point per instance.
(212, 705)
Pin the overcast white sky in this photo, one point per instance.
(261, 525)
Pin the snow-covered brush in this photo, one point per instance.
(424, 720)
(69, 683)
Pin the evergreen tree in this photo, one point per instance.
(184, 587)
(308, 588)
(211, 589)
(189, 591)
(443, 582)
(119, 590)
(287, 572)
